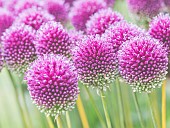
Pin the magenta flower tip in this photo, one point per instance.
(53, 84)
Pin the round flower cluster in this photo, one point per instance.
(52, 38)
(121, 32)
(160, 29)
(34, 17)
(101, 20)
(53, 84)
(143, 63)
(18, 47)
(6, 20)
(95, 62)
(145, 7)
(58, 9)
(82, 10)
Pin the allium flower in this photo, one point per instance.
(18, 47)
(121, 32)
(53, 84)
(58, 9)
(101, 20)
(95, 62)
(145, 7)
(110, 2)
(10, 5)
(6, 20)
(27, 4)
(143, 63)
(52, 38)
(1, 3)
(82, 10)
(160, 29)
(70, 2)
(75, 36)
(34, 17)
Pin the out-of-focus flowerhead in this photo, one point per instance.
(143, 63)
(58, 9)
(95, 62)
(53, 84)
(34, 17)
(6, 20)
(82, 10)
(70, 2)
(101, 20)
(26, 4)
(1, 3)
(121, 32)
(52, 38)
(167, 3)
(110, 2)
(145, 7)
(19, 50)
(75, 36)
(160, 29)
(10, 5)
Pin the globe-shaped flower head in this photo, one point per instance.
(58, 9)
(52, 38)
(101, 20)
(121, 32)
(53, 84)
(82, 10)
(34, 17)
(145, 7)
(95, 62)
(160, 29)
(143, 63)
(6, 20)
(19, 50)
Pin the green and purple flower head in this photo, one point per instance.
(53, 84)
(143, 63)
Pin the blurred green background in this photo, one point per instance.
(10, 113)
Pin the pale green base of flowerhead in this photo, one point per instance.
(147, 87)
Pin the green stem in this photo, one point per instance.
(95, 108)
(138, 110)
(105, 110)
(17, 100)
(152, 112)
(50, 123)
(68, 120)
(59, 124)
(120, 103)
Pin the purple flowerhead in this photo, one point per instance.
(34, 17)
(19, 50)
(27, 4)
(143, 63)
(110, 2)
(6, 20)
(82, 10)
(159, 28)
(58, 9)
(101, 20)
(70, 2)
(52, 38)
(95, 62)
(53, 84)
(167, 3)
(120, 33)
(1, 3)
(145, 7)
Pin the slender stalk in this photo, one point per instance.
(17, 100)
(152, 112)
(138, 110)
(50, 123)
(121, 114)
(59, 124)
(105, 110)
(164, 104)
(68, 120)
(96, 109)
(82, 113)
